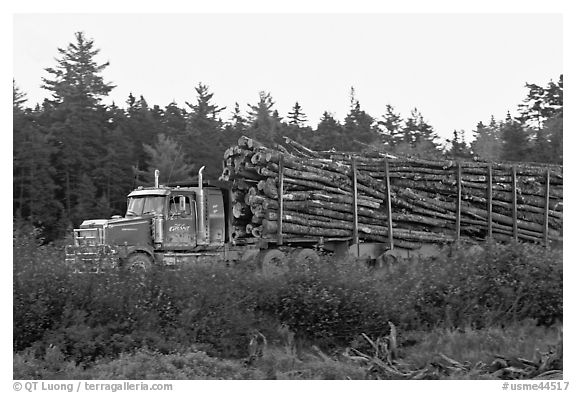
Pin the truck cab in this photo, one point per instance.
(162, 224)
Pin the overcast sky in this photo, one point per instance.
(457, 69)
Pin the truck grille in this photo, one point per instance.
(91, 259)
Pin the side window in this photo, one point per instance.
(180, 205)
(184, 205)
(173, 206)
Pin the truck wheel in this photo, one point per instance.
(250, 260)
(273, 263)
(138, 262)
(306, 258)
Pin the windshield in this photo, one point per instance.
(138, 206)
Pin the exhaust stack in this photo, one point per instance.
(202, 224)
(156, 178)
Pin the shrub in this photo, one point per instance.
(502, 284)
(217, 309)
(141, 364)
(40, 286)
(329, 305)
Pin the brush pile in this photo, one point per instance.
(383, 362)
(321, 197)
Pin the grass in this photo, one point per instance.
(523, 340)
(417, 350)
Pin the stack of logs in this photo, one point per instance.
(381, 198)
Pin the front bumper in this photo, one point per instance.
(92, 259)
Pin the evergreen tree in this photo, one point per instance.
(203, 139)
(18, 98)
(418, 137)
(487, 143)
(514, 140)
(328, 134)
(264, 120)
(86, 205)
(235, 127)
(77, 118)
(457, 147)
(115, 170)
(140, 128)
(554, 131)
(541, 103)
(547, 144)
(174, 121)
(359, 127)
(296, 117)
(34, 189)
(238, 123)
(391, 124)
(204, 115)
(541, 115)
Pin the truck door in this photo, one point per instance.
(180, 231)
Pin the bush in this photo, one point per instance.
(141, 364)
(217, 310)
(40, 286)
(329, 305)
(502, 284)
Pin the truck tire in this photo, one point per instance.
(273, 263)
(306, 257)
(138, 262)
(249, 261)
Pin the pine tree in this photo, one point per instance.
(34, 189)
(264, 120)
(238, 123)
(457, 147)
(235, 127)
(541, 103)
(204, 115)
(391, 124)
(141, 127)
(18, 98)
(296, 117)
(514, 140)
(487, 143)
(541, 115)
(174, 121)
(359, 127)
(202, 143)
(418, 137)
(77, 117)
(328, 134)
(115, 170)
(554, 129)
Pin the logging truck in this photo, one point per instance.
(272, 207)
(178, 224)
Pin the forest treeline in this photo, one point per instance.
(76, 158)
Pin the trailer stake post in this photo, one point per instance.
(546, 206)
(280, 197)
(388, 203)
(458, 199)
(514, 205)
(355, 203)
(489, 200)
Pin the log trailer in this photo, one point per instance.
(192, 223)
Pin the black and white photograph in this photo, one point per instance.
(287, 196)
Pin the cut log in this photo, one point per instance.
(318, 198)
